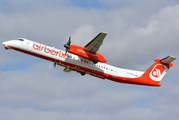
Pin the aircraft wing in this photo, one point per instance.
(67, 70)
(93, 45)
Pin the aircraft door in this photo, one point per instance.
(115, 72)
(29, 45)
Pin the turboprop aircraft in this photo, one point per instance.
(86, 60)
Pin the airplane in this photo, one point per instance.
(86, 60)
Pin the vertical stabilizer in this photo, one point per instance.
(158, 70)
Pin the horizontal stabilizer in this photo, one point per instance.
(167, 60)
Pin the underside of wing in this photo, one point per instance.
(93, 46)
(67, 70)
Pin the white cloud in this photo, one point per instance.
(82, 35)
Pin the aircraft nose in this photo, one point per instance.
(6, 43)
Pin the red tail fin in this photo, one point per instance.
(158, 70)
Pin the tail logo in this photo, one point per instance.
(158, 72)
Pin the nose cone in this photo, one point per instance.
(6, 43)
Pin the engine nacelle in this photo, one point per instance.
(86, 54)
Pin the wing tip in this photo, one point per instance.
(103, 33)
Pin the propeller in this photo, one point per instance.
(67, 45)
(54, 64)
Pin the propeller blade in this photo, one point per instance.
(67, 45)
(69, 41)
(54, 64)
(66, 51)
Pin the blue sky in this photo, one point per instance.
(138, 32)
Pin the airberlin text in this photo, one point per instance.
(48, 50)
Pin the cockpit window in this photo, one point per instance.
(21, 39)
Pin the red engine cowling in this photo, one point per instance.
(86, 54)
